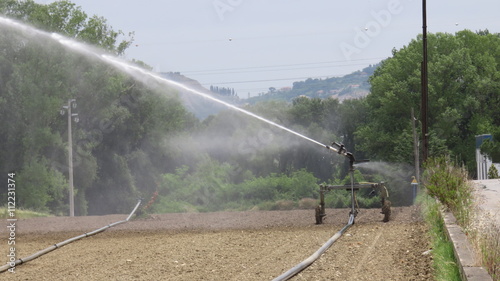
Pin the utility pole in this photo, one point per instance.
(71, 104)
(425, 86)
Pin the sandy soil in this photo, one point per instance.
(257, 245)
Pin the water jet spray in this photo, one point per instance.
(135, 71)
(138, 72)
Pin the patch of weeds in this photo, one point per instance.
(444, 263)
(489, 243)
(446, 181)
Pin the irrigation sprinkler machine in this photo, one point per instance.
(320, 209)
(353, 188)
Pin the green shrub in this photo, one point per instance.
(308, 203)
(367, 202)
(284, 205)
(164, 205)
(448, 183)
(43, 188)
(266, 206)
(493, 172)
(338, 199)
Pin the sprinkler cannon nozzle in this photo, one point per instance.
(337, 147)
(340, 147)
(331, 148)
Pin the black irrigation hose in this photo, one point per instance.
(60, 244)
(307, 262)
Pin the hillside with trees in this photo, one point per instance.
(350, 86)
(137, 140)
(199, 106)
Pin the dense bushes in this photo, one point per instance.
(448, 182)
(210, 186)
(214, 186)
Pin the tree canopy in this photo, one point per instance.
(118, 143)
(464, 87)
(134, 140)
(67, 19)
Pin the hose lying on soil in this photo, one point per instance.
(307, 262)
(65, 242)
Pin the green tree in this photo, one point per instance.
(42, 188)
(493, 172)
(119, 146)
(67, 19)
(463, 96)
(492, 148)
(306, 111)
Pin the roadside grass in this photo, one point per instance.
(21, 214)
(449, 183)
(489, 244)
(444, 263)
(484, 234)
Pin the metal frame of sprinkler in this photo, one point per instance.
(353, 187)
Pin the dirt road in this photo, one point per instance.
(258, 245)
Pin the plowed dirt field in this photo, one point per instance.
(253, 245)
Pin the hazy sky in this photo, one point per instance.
(251, 45)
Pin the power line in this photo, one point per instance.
(268, 80)
(263, 68)
(207, 71)
(278, 69)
